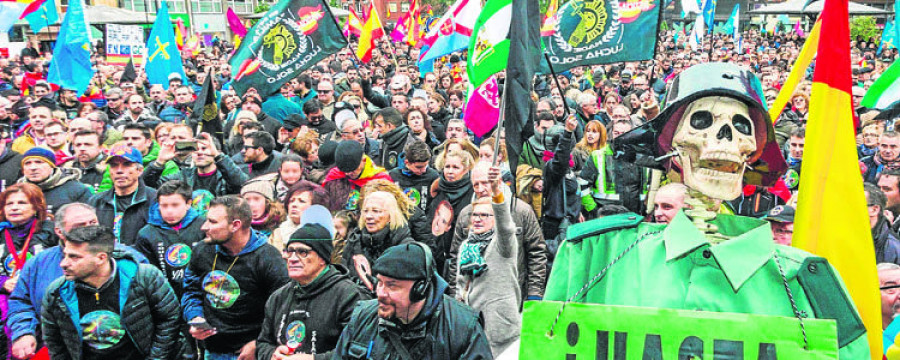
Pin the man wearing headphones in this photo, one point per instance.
(412, 315)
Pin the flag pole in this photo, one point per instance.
(500, 123)
(555, 80)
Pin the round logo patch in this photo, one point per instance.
(101, 329)
(221, 289)
(352, 200)
(791, 179)
(9, 262)
(413, 195)
(295, 333)
(178, 255)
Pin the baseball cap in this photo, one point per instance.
(127, 153)
(781, 213)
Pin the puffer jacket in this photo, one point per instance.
(229, 178)
(148, 309)
(63, 187)
(444, 329)
(322, 308)
(170, 247)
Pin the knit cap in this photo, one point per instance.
(40, 153)
(263, 187)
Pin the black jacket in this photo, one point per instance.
(392, 145)
(92, 174)
(167, 248)
(268, 166)
(444, 329)
(136, 215)
(63, 187)
(149, 313)
(229, 177)
(322, 309)
(555, 171)
(439, 122)
(887, 246)
(361, 242)
(417, 187)
(10, 166)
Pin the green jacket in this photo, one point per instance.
(171, 168)
(675, 267)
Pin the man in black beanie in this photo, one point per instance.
(412, 315)
(307, 315)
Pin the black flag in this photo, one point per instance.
(524, 59)
(205, 117)
(129, 75)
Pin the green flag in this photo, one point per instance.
(293, 36)
(489, 47)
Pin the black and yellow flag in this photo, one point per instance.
(205, 117)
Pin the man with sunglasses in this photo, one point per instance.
(306, 316)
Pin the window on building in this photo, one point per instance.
(206, 6)
(404, 7)
(176, 6)
(241, 7)
(393, 7)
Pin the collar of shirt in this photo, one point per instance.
(749, 248)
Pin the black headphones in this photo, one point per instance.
(420, 288)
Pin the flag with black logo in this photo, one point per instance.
(205, 115)
(293, 36)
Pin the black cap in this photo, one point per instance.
(326, 153)
(781, 213)
(402, 262)
(348, 155)
(294, 121)
(316, 237)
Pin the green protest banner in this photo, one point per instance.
(599, 332)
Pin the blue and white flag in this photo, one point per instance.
(163, 57)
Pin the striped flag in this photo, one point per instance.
(548, 26)
(370, 31)
(832, 218)
(885, 92)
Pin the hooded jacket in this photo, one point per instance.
(444, 329)
(34, 279)
(343, 192)
(232, 295)
(228, 177)
(417, 187)
(314, 314)
(392, 145)
(135, 215)
(168, 246)
(147, 306)
(10, 166)
(62, 187)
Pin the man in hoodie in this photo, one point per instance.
(415, 177)
(60, 185)
(228, 297)
(212, 171)
(39, 272)
(393, 133)
(412, 315)
(84, 314)
(306, 316)
(126, 206)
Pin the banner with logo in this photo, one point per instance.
(293, 36)
(592, 32)
(124, 42)
(592, 331)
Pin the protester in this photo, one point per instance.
(267, 212)
(59, 186)
(96, 284)
(669, 200)
(212, 171)
(124, 208)
(299, 198)
(889, 281)
(354, 169)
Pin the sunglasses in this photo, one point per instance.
(248, 147)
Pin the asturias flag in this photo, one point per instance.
(832, 217)
(163, 57)
(71, 66)
(43, 15)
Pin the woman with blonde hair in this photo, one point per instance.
(450, 193)
(382, 224)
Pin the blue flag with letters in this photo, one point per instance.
(163, 57)
(71, 65)
(44, 16)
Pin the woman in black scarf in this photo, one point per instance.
(450, 194)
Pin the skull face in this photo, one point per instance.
(715, 139)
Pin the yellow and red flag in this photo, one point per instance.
(548, 25)
(798, 72)
(179, 33)
(354, 25)
(832, 218)
(371, 30)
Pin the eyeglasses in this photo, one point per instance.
(325, 91)
(316, 119)
(481, 216)
(301, 253)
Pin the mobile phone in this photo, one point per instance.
(186, 145)
(201, 324)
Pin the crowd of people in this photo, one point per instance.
(355, 214)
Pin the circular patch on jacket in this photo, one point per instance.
(9, 262)
(791, 179)
(352, 200)
(101, 329)
(392, 159)
(200, 201)
(221, 289)
(178, 255)
(413, 195)
(295, 333)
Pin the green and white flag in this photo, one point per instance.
(489, 47)
(885, 91)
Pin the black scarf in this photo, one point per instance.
(458, 192)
